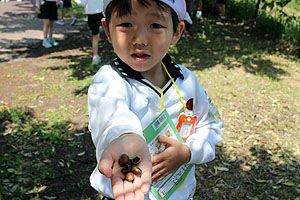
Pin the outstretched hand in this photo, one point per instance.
(175, 155)
(133, 145)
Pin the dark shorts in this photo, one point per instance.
(221, 1)
(48, 10)
(94, 22)
(67, 3)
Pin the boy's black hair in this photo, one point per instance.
(123, 7)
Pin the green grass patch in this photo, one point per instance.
(29, 144)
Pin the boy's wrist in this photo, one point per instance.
(187, 153)
(131, 134)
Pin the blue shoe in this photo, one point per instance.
(74, 19)
(96, 60)
(46, 43)
(222, 20)
(53, 42)
(61, 22)
(198, 14)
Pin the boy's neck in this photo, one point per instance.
(158, 78)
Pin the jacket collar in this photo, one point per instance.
(124, 70)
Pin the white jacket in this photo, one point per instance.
(120, 100)
(91, 6)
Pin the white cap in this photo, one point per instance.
(177, 5)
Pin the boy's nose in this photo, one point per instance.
(140, 36)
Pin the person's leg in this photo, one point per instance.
(69, 11)
(199, 4)
(51, 40)
(61, 12)
(95, 43)
(61, 21)
(74, 19)
(220, 5)
(46, 28)
(221, 9)
(51, 28)
(94, 24)
(95, 40)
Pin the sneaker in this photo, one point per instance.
(53, 42)
(198, 14)
(74, 19)
(61, 22)
(185, 34)
(96, 60)
(46, 43)
(222, 20)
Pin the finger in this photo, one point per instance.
(158, 170)
(128, 190)
(106, 164)
(156, 159)
(160, 175)
(166, 140)
(117, 187)
(146, 177)
(137, 189)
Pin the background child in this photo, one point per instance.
(48, 12)
(125, 96)
(199, 9)
(93, 9)
(221, 7)
(66, 4)
(188, 22)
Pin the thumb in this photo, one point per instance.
(106, 164)
(166, 140)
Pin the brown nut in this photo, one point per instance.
(135, 161)
(129, 177)
(136, 170)
(127, 168)
(123, 160)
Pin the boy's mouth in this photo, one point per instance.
(140, 57)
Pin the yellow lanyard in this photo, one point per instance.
(161, 92)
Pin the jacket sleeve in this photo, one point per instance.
(207, 131)
(109, 109)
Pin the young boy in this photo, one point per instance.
(125, 96)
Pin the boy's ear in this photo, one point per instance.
(105, 26)
(178, 33)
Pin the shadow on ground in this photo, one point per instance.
(54, 161)
(210, 44)
(229, 45)
(50, 161)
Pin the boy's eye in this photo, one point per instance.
(154, 25)
(125, 24)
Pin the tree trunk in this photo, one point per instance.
(257, 8)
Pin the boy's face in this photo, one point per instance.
(141, 39)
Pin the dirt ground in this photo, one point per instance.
(19, 27)
(21, 50)
(24, 64)
(21, 58)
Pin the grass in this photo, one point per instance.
(46, 152)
